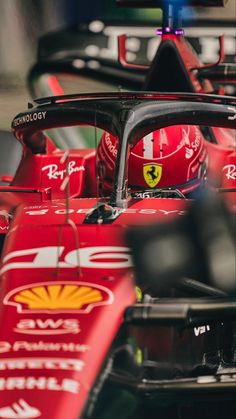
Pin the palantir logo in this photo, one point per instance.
(19, 410)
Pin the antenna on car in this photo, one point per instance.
(65, 186)
(96, 165)
(96, 144)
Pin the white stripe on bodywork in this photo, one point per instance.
(148, 146)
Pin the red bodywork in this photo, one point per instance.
(90, 328)
(65, 283)
(41, 252)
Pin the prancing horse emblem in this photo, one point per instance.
(152, 173)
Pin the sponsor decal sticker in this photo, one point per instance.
(47, 326)
(29, 117)
(42, 346)
(58, 297)
(201, 329)
(190, 146)
(110, 257)
(111, 147)
(19, 410)
(144, 211)
(152, 173)
(53, 171)
(230, 171)
(39, 383)
(66, 364)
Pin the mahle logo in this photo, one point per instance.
(58, 297)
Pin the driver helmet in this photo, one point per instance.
(174, 157)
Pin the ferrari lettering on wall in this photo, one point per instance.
(47, 326)
(29, 117)
(142, 45)
(41, 363)
(42, 346)
(97, 257)
(58, 297)
(39, 383)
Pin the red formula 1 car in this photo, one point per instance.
(73, 343)
(87, 55)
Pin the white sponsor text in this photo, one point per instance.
(53, 171)
(117, 257)
(39, 383)
(30, 117)
(47, 326)
(230, 171)
(66, 364)
(23, 345)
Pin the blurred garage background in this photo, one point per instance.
(23, 22)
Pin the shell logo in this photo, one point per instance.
(58, 297)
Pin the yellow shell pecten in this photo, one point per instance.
(56, 297)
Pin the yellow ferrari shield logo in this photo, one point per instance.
(152, 173)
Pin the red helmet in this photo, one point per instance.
(174, 157)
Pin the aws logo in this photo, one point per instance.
(58, 297)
